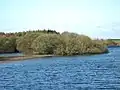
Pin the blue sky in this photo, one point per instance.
(95, 18)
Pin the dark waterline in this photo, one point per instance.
(94, 72)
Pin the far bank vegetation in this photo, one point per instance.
(50, 42)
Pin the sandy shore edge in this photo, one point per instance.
(20, 58)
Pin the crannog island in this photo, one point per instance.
(42, 43)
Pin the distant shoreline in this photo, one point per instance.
(5, 59)
(18, 58)
(113, 46)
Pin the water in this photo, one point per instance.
(11, 54)
(97, 72)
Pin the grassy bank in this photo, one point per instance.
(117, 41)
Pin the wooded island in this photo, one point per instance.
(50, 42)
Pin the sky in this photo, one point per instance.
(95, 18)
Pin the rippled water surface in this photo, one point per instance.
(97, 72)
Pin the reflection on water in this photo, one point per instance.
(97, 72)
(11, 54)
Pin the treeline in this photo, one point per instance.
(2, 34)
(8, 40)
(51, 42)
(116, 41)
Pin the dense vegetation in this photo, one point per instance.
(7, 44)
(8, 40)
(50, 42)
(58, 44)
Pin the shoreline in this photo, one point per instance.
(20, 58)
(5, 59)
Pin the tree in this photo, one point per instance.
(45, 44)
(24, 43)
(7, 44)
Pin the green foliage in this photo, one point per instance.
(20, 34)
(97, 47)
(45, 44)
(74, 44)
(51, 42)
(24, 43)
(7, 44)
